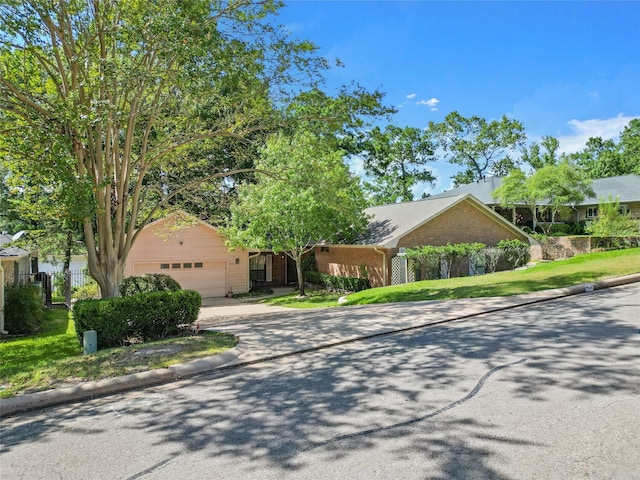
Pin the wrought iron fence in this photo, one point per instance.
(56, 286)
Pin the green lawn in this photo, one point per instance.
(54, 357)
(546, 275)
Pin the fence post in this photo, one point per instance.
(67, 289)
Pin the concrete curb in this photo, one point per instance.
(229, 359)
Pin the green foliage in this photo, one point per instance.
(86, 291)
(144, 317)
(23, 309)
(482, 148)
(309, 197)
(395, 158)
(515, 252)
(335, 282)
(430, 258)
(611, 222)
(151, 282)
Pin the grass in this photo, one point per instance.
(585, 268)
(54, 358)
(314, 299)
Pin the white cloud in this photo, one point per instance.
(356, 165)
(432, 103)
(582, 130)
(411, 95)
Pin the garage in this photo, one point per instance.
(209, 278)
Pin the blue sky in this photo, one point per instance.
(566, 69)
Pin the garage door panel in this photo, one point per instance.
(210, 280)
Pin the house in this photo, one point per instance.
(193, 253)
(432, 221)
(18, 263)
(625, 187)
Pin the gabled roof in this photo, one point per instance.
(625, 187)
(389, 223)
(10, 252)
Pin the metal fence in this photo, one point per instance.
(56, 286)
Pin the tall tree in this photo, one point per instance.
(482, 148)
(542, 154)
(311, 197)
(630, 147)
(396, 159)
(119, 93)
(600, 158)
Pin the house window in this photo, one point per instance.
(175, 265)
(324, 249)
(164, 266)
(624, 209)
(186, 265)
(197, 265)
(592, 212)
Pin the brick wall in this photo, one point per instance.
(462, 224)
(351, 261)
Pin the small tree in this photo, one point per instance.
(611, 222)
(312, 197)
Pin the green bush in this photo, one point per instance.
(23, 309)
(86, 291)
(144, 317)
(349, 284)
(516, 253)
(152, 282)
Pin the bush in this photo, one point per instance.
(144, 317)
(23, 309)
(516, 253)
(349, 284)
(152, 282)
(86, 291)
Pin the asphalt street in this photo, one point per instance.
(543, 391)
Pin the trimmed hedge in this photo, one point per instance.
(349, 284)
(151, 282)
(23, 309)
(145, 316)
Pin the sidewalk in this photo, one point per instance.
(267, 333)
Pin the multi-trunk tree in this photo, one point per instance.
(112, 100)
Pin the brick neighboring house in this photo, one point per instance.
(625, 187)
(432, 221)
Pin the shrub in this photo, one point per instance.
(349, 284)
(86, 291)
(145, 316)
(152, 282)
(516, 253)
(23, 309)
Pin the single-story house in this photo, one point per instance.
(193, 253)
(18, 263)
(626, 188)
(394, 227)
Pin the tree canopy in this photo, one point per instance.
(309, 197)
(115, 100)
(396, 158)
(482, 148)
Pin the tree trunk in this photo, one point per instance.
(298, 261)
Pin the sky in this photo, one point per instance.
(569, 69)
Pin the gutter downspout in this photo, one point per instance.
(384, 265)
(2, 330)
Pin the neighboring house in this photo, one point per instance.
(432, 221)
(626, 188)
(193, 253)
(18, 263)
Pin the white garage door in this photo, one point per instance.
(207, 278)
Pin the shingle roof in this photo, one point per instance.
(389, 223)
(626, 187)
(10, 251)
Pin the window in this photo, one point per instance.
(164, 266)
(175, 265)
(197, 265)
(186, 265)
(624, 209)
(324, 249)
(592, 212)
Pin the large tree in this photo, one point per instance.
(542, 154)
(118, 95)
(395, 158)
(309, 197)
(600, 158)
(482, 148)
